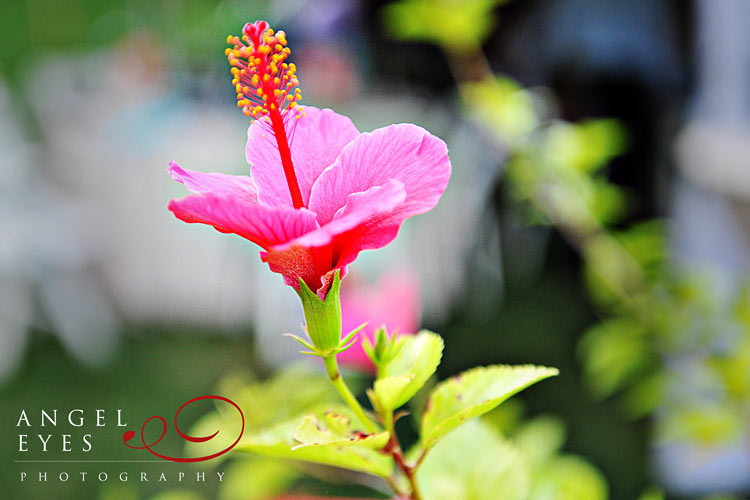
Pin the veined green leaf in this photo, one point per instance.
(336, 432)
(388, 390)
(280, 441)
(473, 393)
(417, 358)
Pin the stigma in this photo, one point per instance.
(267, 88)
(265, 82)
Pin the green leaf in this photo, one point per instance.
(388, 390)
(540, 440)
(473, 462)
(280, 441)
(554, 476)
(652, 494)
(416, 359)
(337, 431)
(474, 393)
(178, 494)
(569, 478)
(256, 478)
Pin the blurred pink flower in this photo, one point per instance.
(393, 303)
(319, 190)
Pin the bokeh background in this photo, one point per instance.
(597, 218)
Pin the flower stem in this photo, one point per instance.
(334, 375)
(394, 448)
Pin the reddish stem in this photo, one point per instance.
(394, 449)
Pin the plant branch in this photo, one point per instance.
(334, 375)
(394, 449)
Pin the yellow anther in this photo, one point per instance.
(258, 69)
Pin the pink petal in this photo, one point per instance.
(404, 152)
(316, 140)
(240, 186)
(363, 223)
(363, 211)
(265, 226)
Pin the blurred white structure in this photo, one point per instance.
(47, 265)
(710, 230)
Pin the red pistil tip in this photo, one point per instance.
(264, 81)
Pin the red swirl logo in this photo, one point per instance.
(130, 434)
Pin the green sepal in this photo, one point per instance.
(323, 317)
(308, 345)
(349, 340)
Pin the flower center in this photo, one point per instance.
(267, 87)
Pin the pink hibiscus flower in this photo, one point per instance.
(393, 303)
(319, 191)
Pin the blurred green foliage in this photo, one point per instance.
(456, 25)
(508, 109)
(660, 321)
(474, 461)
